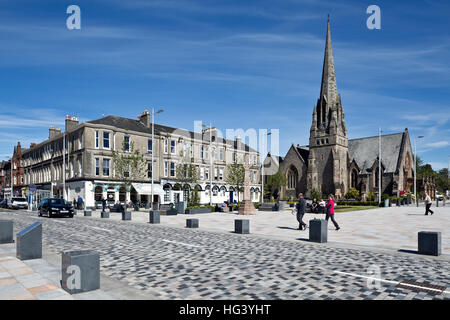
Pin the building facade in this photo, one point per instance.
(332, 163)
(90, 172)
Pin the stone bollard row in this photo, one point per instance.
(29, 242)
(154, 217)
(80, 271)
(6, 231)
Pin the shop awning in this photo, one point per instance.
(146, 188)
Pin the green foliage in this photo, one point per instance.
(200, 207)
(186, 171)
(276, 181)
(194, 199)
(128, 165)
(357, 203)
(371, 197)
(235, 175)
(352, 194)
(315, 194)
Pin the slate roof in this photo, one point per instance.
(138, 126)
(304, 152)
(365, 151)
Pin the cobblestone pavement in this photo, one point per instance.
(175, 263)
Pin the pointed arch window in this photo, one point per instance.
(292, 178)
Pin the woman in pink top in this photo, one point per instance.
(330, 211)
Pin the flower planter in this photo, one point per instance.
(198, 210)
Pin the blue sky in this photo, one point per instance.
(241, 64)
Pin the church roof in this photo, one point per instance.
(304, 152)
(365, 151)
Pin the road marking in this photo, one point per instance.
(392, 282)
(97, 228)
(58, 221)
(182, 243)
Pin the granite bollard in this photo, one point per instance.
(126, 215)
(87, 213)
(429, 243)
(154, 216)
(181, 207)
(242, 226)
(6, 231)
(191, 223)
(318, 231)
(80, 271)
(105, 214)
(29, 242)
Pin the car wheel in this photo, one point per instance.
(70, 215)
(40, 213)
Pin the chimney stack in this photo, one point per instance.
(71, 123)
(206, 134)
(52, 132)
(145, 118)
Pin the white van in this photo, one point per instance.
(17, 203)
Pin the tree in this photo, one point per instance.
(276, 181)
(186, 172)
(442, 180)
(235, 176)
(129, 164)
(315, 194)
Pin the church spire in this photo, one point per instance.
(328, 88)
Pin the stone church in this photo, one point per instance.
(332, 163)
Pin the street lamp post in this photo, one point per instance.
(415, 169)
(210, 162)
(262, 168)
(153, 140)
(379, 166)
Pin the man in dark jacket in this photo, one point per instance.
(301, 209)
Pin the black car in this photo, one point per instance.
(55, 207)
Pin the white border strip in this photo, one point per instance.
(392, 282)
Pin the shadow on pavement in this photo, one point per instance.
(408, 251)
(287, 228)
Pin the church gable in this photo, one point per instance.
(364, 151)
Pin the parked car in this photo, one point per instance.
(439, 196)
(17, 203)
(55, 207)
(4, 203)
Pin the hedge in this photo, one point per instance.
(357, 203)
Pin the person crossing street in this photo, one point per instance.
(301, 210)
(427, 204)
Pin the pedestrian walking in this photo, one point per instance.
(103, 204)
(330, 211)
(80, 203)
(427, 204)
(301, 209)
